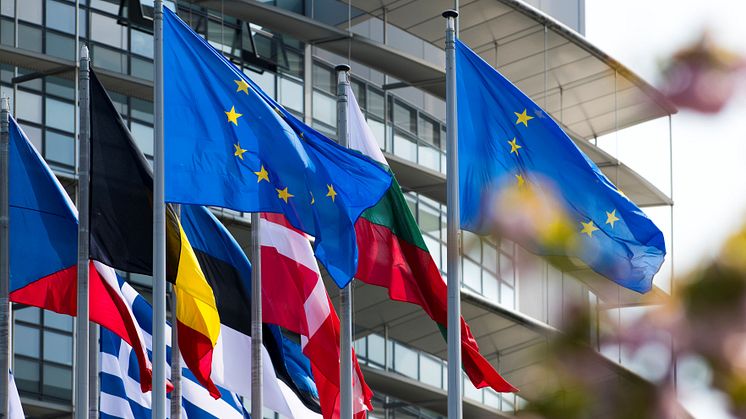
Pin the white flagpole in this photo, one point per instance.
(4, 253)
(454, 230)
(345, 294)
(159, 225)
(82, 366)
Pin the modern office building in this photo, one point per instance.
(514, 301)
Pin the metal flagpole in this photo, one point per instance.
(159, 225)
(454, 230)
(345, 294)
(257, 396)
(82, 366)
(4, 253)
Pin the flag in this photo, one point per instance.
(15, 409)
(43, 250)
(241, 150)
(229, 273)
(506, 139)
(122, 231)
(120, 394)
(397, 258)
(294, 297)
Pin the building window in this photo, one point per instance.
(43, 348)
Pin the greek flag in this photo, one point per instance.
(121, 396)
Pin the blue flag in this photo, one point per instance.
(505, 138)
(228, 145)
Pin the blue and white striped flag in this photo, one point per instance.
(121, 396)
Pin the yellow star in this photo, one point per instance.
(588, 228)
(313, 200)
(284, 194)
(514, 146)
(611, 218)
(262, 174)
(522, 118)
(521, 181)
(332, 193)
(233, 115)
(242, 86)
(239, 151)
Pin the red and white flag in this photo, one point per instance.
(294, 297)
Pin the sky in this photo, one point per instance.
(709, 152)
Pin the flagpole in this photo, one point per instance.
(453, 231)
(4, 253)
(159, 225)
(82, 366)
(257, 395)
(345, 294)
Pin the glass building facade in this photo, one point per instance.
(408, 123)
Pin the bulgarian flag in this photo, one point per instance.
(396, 257)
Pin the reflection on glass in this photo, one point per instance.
(324, 108)
(60, 148)
(26, 374)
(60, 115)
(58, 382)
(291, 94)
(26, 340)
(61, 16)
(60, 46)
(404, 147)
(29, 38)
(405, 361)
(106, 30)
(58, 348)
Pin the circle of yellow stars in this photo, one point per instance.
(262, 174)
(587, 228)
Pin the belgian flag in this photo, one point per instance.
(122, 232)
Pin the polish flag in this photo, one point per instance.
(294, 297)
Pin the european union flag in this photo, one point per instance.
(504, 137)
(228, 145)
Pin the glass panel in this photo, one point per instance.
(60, 16)
(60, 87)
(7, 31)
(141, 68)
(507, 295)
(34, 135)
(26, 341)
(8, 8)
(140, 279)
(489, 257)
(109, 59)
(28, 106)
(60, 46)
(58, 382)
(58, 348)
(29, 10)
(28, 314)
(142, 43)
(294, 63)
(106, 30)
(506, 268)
(428, 219)
(358, 89)
(291, 94)
(60, 115)
(429, 157)
(375, 102)
(472, 275)
(324, 108)
(405, 361)
(26, 373)
(60, 148)
(472, 246)
(491, 398)
(490, 286)
(429, 132)
(360, 348)
(111, 6)
(58, 321)
(29, 38)
(323, 78)
(471, 392)
(142, 110)
(404, 147)
(83, 21)
(143, 136)
(376, 351)
(405, 117)
(430, 371)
